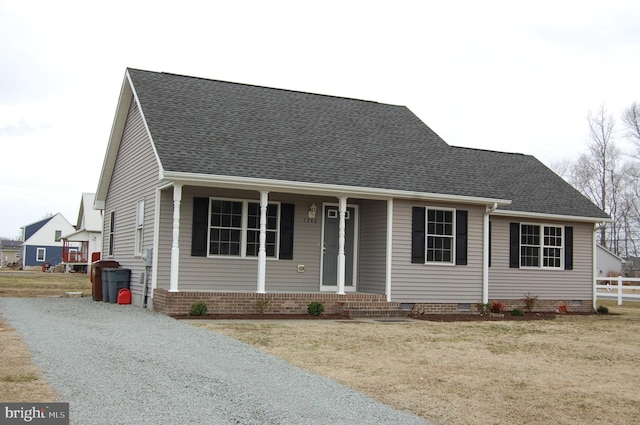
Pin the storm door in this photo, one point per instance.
(331, 226)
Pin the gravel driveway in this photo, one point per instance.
(120, 364)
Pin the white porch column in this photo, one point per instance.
(389, 258)
(485, 252)
(341, 242)
(262, 249)
(175, 246)
(594, 272)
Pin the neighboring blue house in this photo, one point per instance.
(43, 241)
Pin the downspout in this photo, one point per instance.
(485, 252)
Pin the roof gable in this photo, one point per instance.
(88, 218)
(32, 229)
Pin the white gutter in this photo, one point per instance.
(556, 217)
(485, 252)
(250, 183)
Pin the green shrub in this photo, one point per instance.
(198, 309)
(483, 308)
(315, 308)
(517, 312)
(603, 309)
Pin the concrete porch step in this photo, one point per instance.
(361, 309)
(353, 314)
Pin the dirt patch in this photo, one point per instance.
(479, 318)
(428, 317)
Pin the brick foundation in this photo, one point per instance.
(243, 303)
(348, 306)
(577, 306)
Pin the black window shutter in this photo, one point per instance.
(461, 237)
(568, 248)
(418, 235)
(514, 245)
(286, 231)
(199, 229)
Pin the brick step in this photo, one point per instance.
(370, 305)
(354, 314)
(363, 309)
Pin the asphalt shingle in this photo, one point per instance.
(213, 127)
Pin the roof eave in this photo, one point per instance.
(250, 183)
(117, 129)
(545, 216)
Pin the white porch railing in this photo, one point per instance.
(615, 289)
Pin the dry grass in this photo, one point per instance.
(38, 284)
(574, 369)
(20, 379)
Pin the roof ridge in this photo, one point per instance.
(489, 150)
(267, 87)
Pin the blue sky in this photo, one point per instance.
(493, 75)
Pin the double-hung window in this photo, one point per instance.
(253, 229)
(440, 236)
(112, 232)
(541, 246)
(234, 228)
(139, 228)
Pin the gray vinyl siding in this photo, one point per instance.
(508, 283)
(134, 178)
(421, 283)
(165, 235)
(373, 244)
(240, 274)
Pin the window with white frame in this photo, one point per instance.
(541, 246)
(440, 236)
(234, 228)
(112, 232)
(139, 239)
(41, 254)
(253, 229)
(58, 235)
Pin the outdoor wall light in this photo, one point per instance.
(312, 210)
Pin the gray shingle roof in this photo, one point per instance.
(213, 127)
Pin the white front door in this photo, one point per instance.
(329, 259)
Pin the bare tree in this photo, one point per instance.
(631, 122)
(603, 155)
(610, 178)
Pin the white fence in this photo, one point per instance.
(618, 288)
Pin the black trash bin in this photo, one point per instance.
(96, 277)
(118, 279)
(106, 275)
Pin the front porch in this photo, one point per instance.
(351, 305)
